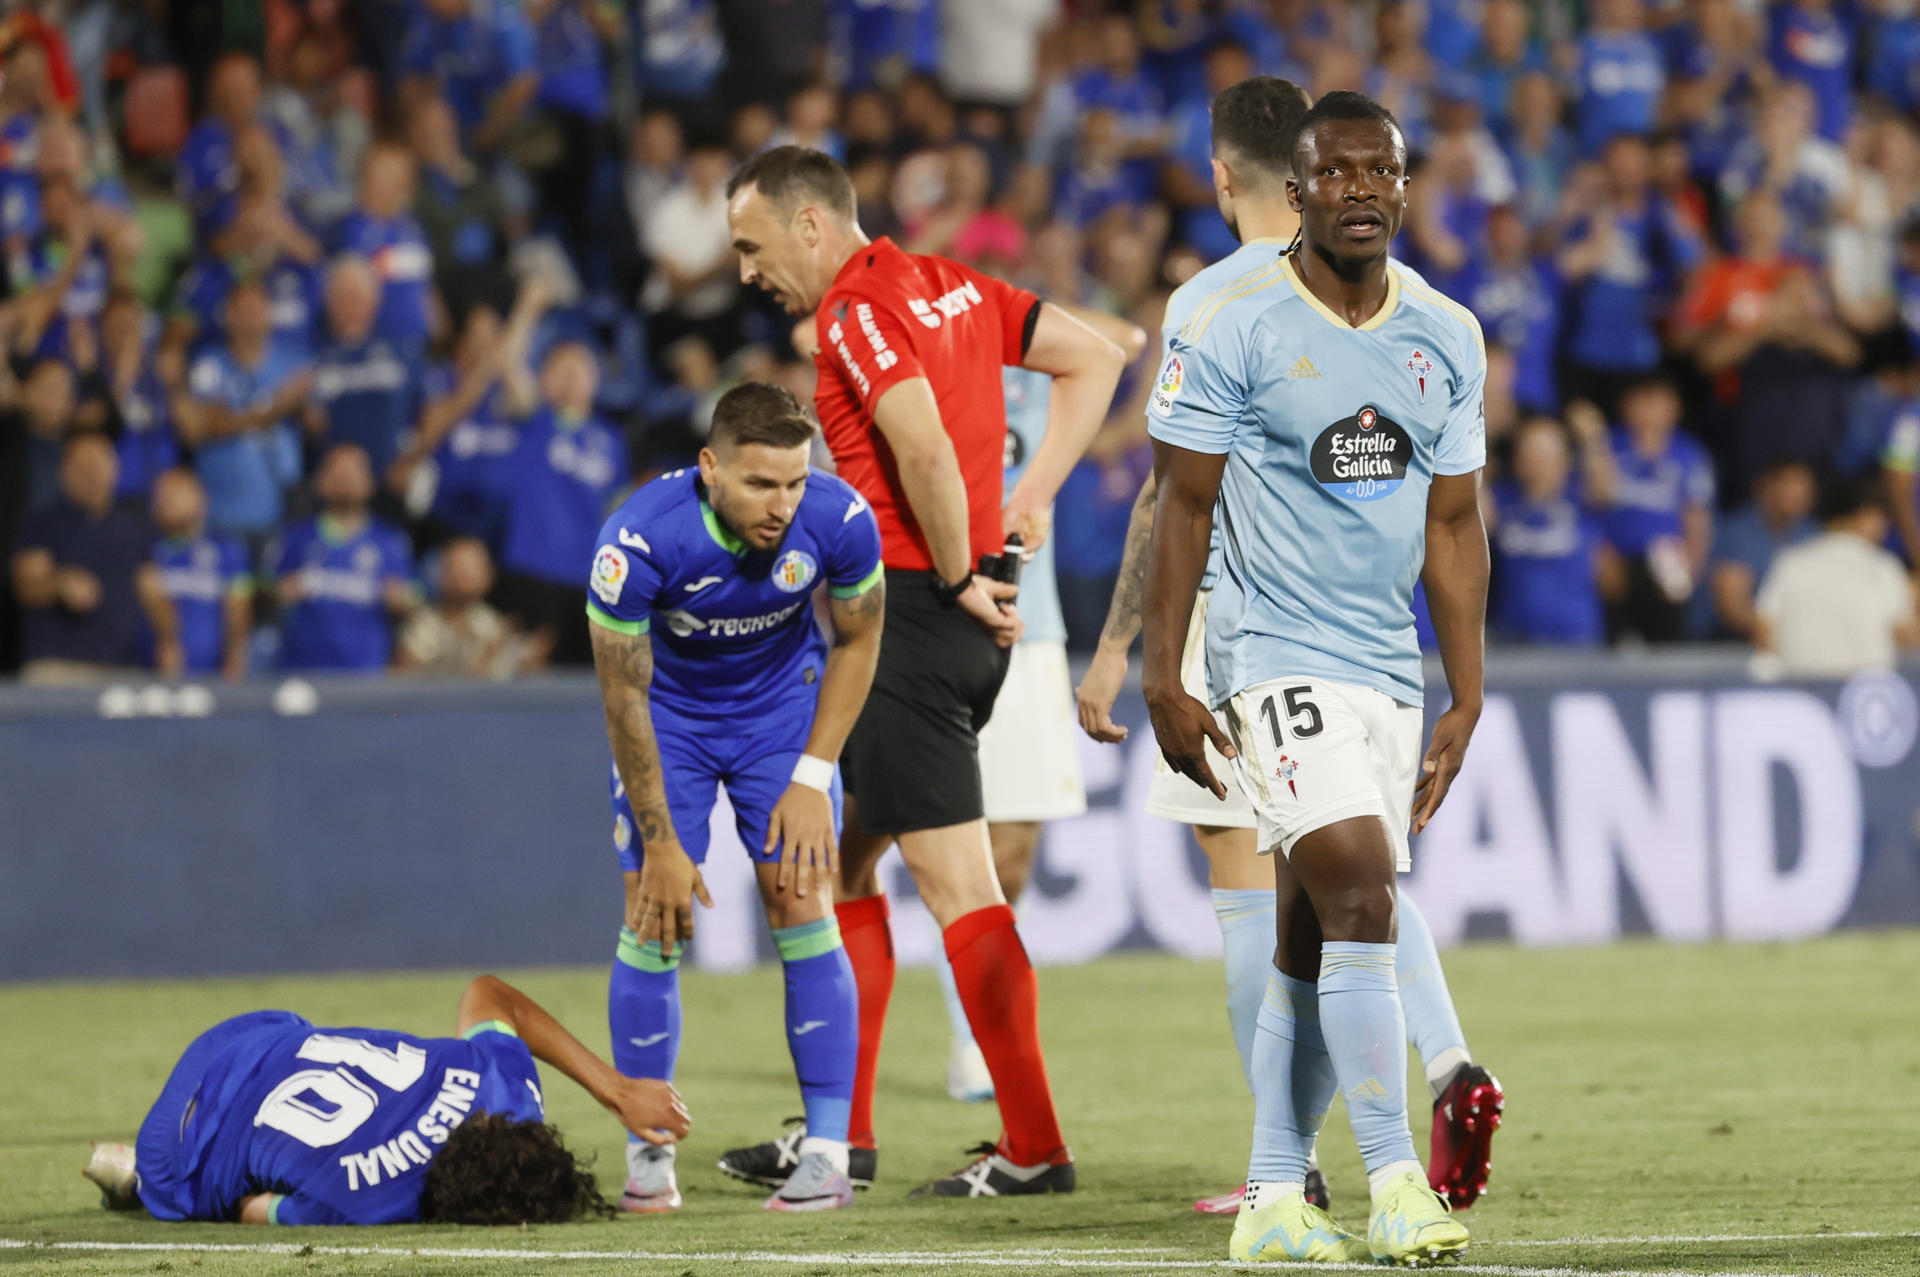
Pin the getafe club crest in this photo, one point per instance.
(1419, 365)
(794, 572)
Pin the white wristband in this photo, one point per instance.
(814, 773)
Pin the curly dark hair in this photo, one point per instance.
(495, 1170)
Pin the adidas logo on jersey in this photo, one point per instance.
(1303, 370)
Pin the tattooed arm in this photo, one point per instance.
(802, 821)
(662, 909)
(1108, 669)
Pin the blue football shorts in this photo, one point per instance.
(695, 760)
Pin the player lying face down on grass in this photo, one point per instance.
(1328, 402)
(268, 1119)
(714, 670)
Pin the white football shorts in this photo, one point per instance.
(1312, 752)
(1030, 748)
(1172, 795)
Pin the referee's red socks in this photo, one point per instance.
(868, 938)
(1002, 997)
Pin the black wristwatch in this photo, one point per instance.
(949, 592)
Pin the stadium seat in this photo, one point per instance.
(156, 112)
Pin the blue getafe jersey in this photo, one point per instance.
(199, 574)
(342, 1123)
(1332, 436)
(1543, 569)
(371, 396)
(401, 258)
(1026, 394)
(340, 622)
(732, 629)
(1653, 493)
(562, 477)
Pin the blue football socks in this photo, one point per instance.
(1366, 1035)
(1293, 1086)
(823, 1030)
(1246, 937)
(643, 1009)
(1433, 1026)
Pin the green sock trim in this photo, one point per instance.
(273, 1207)
(488, 1026)
(645, 957)
(808, 940)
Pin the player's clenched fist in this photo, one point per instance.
(1183, 727)
(669, 881)
(801, 827)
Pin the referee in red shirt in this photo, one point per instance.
(909, 398)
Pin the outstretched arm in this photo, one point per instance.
(1189, 485)
(1108, 669)
(802, 821)
(669, 880)
(648, 1107)
(1456, 581)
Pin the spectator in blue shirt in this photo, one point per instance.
(1540, 150)
(678, 48)
(882, 41)
(1893, 57)
(480, 55)
(1746, 541)
(262, 240)
(209, 166)
(138, 399)
(82, 578)
(1621, 75)
(383, 230)
(365, 390)
(1623, 261)
(1507, 52)
(565, 471)
(1547, 552)
(1657, 500)
(1516, 295)
(237, 415)
(207, 577)
(340, 576)
(1116, 83)
(1187, 175)
(1814, 45)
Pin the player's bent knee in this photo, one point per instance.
(1234, 862)
(1014, 843)
(1347, 871)
(953, 868)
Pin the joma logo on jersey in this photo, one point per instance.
(950, 305)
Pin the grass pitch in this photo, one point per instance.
(1714, 1109)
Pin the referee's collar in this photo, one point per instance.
(867, 257)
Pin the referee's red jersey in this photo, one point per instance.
(892, 315)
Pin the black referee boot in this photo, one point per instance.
(992, 1175)
(770, 1163)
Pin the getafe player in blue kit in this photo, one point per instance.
(1330, 405)
(267, 1119)
(714, 671)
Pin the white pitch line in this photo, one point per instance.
(1681, 1238)
(1063, 1258)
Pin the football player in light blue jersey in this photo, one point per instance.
(268, 1119)
(1248, 117)
(714, 671)
(1330, 405)
(1029, 759)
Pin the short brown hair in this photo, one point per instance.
(791, 175)
(1254, 122)
(756, 412)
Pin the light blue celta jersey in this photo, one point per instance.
(1026, 393)
(1332, 436)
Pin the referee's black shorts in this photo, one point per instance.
(913, 759)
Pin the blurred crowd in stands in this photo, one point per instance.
(333, 328)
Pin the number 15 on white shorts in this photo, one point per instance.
(1311, 752)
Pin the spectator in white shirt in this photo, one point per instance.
(1840, 603)
(694, 287)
